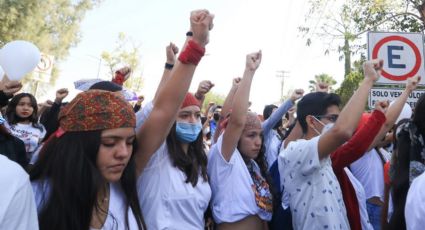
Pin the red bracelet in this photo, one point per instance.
(192, 54)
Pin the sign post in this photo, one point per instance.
(403, 55)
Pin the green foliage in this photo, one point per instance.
(52, 25)
(218, 99)
(341, 29)
(348, 86)
(126, 53)
(321, 78)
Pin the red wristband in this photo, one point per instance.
(192, 54)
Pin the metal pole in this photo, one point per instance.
(281, 74)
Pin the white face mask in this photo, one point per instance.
(326, 127)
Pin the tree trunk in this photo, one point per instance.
(347, 57)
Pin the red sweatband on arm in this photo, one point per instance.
(192, 54)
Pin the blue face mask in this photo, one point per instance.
(188, 132)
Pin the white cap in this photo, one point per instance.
(406, 112)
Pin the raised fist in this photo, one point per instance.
(171, 51)
(61, 94)
(204, 87)
(381, 106)
(372, 69)
(201, 22)
(297, 94)
(322, 87)
(236, 81)
(12, 87)
(412, 83)
(253, 60)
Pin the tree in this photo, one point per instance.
(348, 86)
(52, 25)
(341, 29)
(126, 53)
(321, 78)
(218, 99)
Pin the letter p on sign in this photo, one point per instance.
(403, 55)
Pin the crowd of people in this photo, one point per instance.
(97, 162)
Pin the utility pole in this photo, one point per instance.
(282, 74)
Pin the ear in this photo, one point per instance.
(310, 121)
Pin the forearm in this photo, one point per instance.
(227, 105)
(241, 99)
(277, 115)
(359, 143)
(351, 113)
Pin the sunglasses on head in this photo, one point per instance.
(330, 117)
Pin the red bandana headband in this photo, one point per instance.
(96, 110)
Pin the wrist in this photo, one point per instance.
(192, 53)
(369, 81)
(199, 96)
(168, 66)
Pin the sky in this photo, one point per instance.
(240, 27)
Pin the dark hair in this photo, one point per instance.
(262, 164)
(403, 154)
(419, 115)
(267, 112)
(107, 86)
(315, 104)
(13, 118)
(191, 163)
(68, 165)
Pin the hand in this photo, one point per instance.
(46, 104)
(61, 94)
(171, 51)
(372, 69)
(253, 60)
(412, 83)
(297, 94)
(381, 106)
(125, 71)
(203, 88)
(201, 22)
(236, 82)
(12, 87)
(322, 87)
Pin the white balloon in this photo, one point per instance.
(19, 58)
(1, 73)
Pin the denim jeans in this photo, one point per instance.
(374, 213)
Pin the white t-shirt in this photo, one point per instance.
(17, 206)
(116, 213)
(369, 170)
(232, 187)
(361, 199)
(314, 192)
(167, 201)
(414, 211)
(31, 136)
